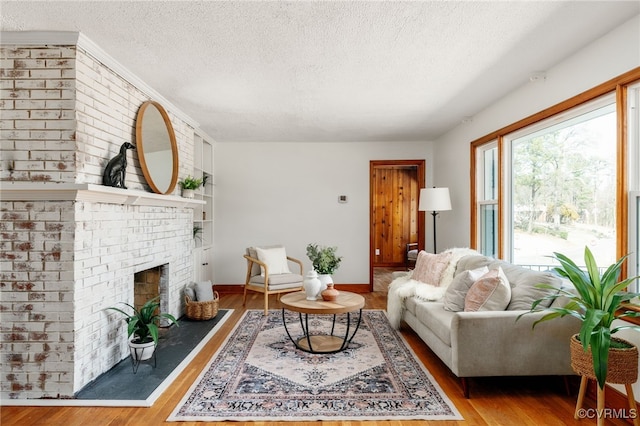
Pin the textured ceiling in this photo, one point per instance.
(329, 71)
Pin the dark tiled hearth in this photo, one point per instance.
(120, 383)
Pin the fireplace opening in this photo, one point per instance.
(149, 284)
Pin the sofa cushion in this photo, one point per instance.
(410, 304)
(429, 267)
(523, 283)
(456, 292)
(472, 262)
(435, 318)
(522, 280)
(491, 292)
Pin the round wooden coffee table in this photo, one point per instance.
(322, 343)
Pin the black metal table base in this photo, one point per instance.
(336, 343)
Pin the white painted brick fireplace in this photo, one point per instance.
(69, 246)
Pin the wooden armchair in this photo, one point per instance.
(411, 255)
(268, 273)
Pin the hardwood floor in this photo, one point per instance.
(382, 277)
(494, 401)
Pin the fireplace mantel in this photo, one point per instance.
(45, 191)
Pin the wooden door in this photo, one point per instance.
(395, 220)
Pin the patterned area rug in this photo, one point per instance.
(259, 375)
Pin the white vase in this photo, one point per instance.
(188, 193)
(311, 285)
(324, 280)
(142, 351)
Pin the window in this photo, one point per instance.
(487, 204)
(559, 180)
(562, 187)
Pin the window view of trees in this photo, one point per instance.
(564, 190)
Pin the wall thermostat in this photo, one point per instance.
(342, 198)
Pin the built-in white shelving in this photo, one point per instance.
(203, 213)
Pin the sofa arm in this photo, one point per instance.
(493, 343)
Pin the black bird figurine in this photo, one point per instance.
(114, 173)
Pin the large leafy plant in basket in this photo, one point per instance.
(597, 302)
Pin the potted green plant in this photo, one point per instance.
(142, 327)
(325, 262)
(197, 232)
(189, 184)
(598, 300)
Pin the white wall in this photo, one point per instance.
(606, 58)
(610, 56)
(287, 193)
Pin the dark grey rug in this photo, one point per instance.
(176, 345)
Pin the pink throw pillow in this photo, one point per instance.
(429, 267)
(491, 292)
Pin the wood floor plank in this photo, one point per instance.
(494, 401)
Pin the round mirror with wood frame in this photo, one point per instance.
(157, 147)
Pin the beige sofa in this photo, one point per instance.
(488, 343)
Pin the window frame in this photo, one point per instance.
(618, 87)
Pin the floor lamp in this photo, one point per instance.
(434, 200)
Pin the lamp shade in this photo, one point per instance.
(434, 199)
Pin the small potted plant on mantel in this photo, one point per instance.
(142, 327)
(189, 184)
(598, 300)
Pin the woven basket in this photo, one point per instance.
(202, 310)
(623, 363)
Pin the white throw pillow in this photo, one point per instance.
(491, 292)
(275, 258)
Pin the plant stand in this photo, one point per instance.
(622, 370)
(137, 356)
(584, 381)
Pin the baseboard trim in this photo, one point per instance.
(239, 288)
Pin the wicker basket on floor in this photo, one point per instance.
(202, 310)
(623, 363)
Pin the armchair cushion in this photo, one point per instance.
(275, 258)
(251, 252)
(279, 281)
